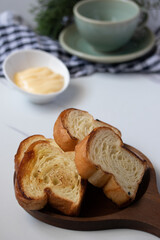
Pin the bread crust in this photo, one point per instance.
(63, 205)
(110, 126)
(23, 147)
(62, 135)
(109, 184)
(27, 203)
(114, 192)
(83, 164)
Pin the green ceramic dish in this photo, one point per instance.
(106, 24)
(141, 43)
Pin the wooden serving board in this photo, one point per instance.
(98, 212)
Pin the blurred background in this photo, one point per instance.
(23, 8)
(20, 7)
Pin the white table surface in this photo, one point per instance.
(129, 102)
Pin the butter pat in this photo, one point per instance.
(41, 80)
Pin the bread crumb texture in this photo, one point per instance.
(46, 166)
(81, 123)
(107, 151)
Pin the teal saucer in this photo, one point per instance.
(141, 43)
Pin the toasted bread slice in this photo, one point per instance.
(47, 175)
(24, 145)
(74, 125)
(102, 158)
(23, 148)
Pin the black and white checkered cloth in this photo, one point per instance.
(14, 34)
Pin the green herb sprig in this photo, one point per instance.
(52, 16)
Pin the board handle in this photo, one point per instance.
(144, 214)
(149, 217)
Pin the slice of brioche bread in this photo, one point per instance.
(24, 146)
(74, 125)
(102, 158)
(46, 174)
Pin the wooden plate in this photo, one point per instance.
(98, 212)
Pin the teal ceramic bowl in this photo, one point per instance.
(106, 24)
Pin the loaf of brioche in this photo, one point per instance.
(102, 158)
(44, 174)
(74, 125)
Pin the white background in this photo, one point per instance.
(129, 102)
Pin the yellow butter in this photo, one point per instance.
(41, 80)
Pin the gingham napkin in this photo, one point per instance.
(14, 35)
